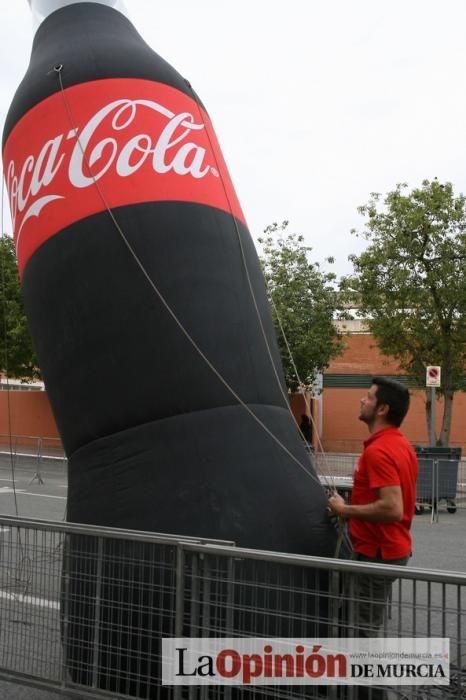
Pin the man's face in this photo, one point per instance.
(369, 406)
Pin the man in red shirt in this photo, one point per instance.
(383, 499)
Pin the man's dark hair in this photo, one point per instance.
(395, 395)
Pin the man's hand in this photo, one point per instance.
(337, 504)
(387, 508)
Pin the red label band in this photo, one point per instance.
(109, 143)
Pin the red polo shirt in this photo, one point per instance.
(388, 459)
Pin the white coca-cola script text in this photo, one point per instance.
(88, 161)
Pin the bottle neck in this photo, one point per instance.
(43, 8)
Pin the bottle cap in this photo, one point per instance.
(43, 8)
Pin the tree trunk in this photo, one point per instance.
(428, 402)
(446, 420)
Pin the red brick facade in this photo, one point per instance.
(26, 413)
(341, 429)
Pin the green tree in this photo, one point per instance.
(303, 301)
(17, 356)
(410, 283)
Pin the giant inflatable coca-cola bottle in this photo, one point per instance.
(138, 271)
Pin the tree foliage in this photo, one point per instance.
(303, 301)
(17, 356)
(410, 282)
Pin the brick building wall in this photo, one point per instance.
(25, 415)
(345, 383)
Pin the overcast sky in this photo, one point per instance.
(316, 104)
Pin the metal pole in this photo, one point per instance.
(97, 666)
(320, 415)
(432, 416)
(179, 603)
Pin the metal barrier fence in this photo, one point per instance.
(441, 482)
(37, 447)
(354, 445)
(336, 464)
(83, 609)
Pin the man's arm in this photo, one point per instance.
(388, 508)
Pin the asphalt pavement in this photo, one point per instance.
(440, 545)
(33, 489)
